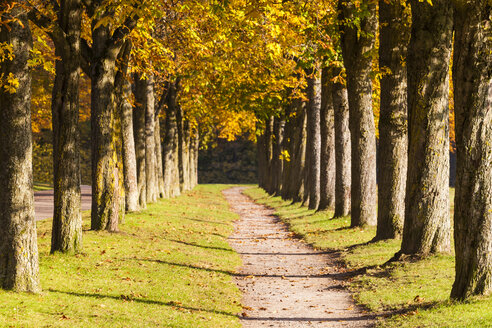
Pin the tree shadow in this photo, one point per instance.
(207, 221)
(200, 246)
(233, 273)
(287, 254)
(306, 319)
(129, 298)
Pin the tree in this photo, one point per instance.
(169, 157)
(125, 111)
(106, 44)
(342, 147)
(427, 225)
(63, 23)
(150, 156)
(472, 74)
(327, 124)
(358, 26)
(139, 130)
(313, 150)
(19, 268)
(392, 157)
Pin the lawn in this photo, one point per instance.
(406, 294)
(170, 266)
(39, 186)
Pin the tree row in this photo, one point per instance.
(321, 148)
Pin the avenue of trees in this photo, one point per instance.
(321, 148)
(312, 78)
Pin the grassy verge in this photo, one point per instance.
(409, 294)
(39, 186)
(170, 266)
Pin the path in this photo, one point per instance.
(43, 202)
(286, 283)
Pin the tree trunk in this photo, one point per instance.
(125, 110)
(427, 223)
(277, 161)
(158, 156)
(327, 132)
(119, 202)
(314, 139)
(186, 154)
(104, 189)
(192, 158)
(261, 158)
(19, 268)
(181, 149)
(67, 219)
(139, 115)
(356, 46)
(168, 155)
(342, 149)
(269, 155)
(196, 149)
(392, 157)
(299, 161)
(150, 159)
(176, 184)
(472, 74)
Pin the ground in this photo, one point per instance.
(286, 283)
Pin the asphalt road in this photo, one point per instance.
(43, 202)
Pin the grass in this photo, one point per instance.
(39, 186)
(404, 294)
(170, 266)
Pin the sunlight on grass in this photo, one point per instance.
(170, 266)
(407, 294)
(39, 186)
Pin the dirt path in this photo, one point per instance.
(286, 283)
(43, 202)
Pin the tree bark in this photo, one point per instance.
(192, 160)
(299, 160)
(158, 155)
(314, 139)
(392, 157)
(196, 150)
(139, 116)
(277, 161)
(19, 267)
(269, 155)
(176, 178)
(102, 56)
(327, 132)
(125, 110)
(261, 158)
(181, 149)
(67, 219)
(186, 154)
(170, 142)
(150, 159)
(472, 80)
(356, 46)
(342, 149)
(288, 146)
(427, 224)
(105, 49)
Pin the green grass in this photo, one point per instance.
(39, 186)
(404, 294)
(170, 266)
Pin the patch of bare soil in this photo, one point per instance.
(286, 283)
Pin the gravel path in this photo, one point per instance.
(286, 283)
(43, 202)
